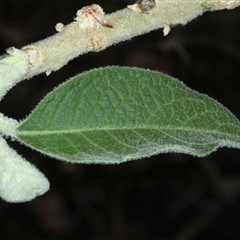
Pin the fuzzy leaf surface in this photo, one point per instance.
(115, 114)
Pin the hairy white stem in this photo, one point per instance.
(13, 68)
(94, 31)
(8, 126)
(82, 35)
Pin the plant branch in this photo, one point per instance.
(92, 30)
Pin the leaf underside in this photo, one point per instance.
(115, 114)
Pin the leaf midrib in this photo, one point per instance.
(84, 130)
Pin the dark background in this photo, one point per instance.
(166, 197)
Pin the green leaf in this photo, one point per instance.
(115, 114)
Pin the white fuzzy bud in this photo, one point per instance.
(20, 181)
(90, 16)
